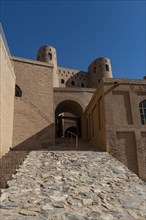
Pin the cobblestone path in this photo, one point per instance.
(73, 186)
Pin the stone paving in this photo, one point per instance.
(73, 186)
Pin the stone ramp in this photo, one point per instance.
(69, 185)
(9, 163)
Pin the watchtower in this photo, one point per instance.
(98, 69)
(48, 54)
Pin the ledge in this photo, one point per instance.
(33, 62)
(70, 89)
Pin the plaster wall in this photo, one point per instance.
(7, 88)
(125, 132)
(95, 119)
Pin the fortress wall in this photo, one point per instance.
(7, 89)
(115, 108)
(125, 133)
(70, 75)
(95, 119)
(33, 114)
(31, 130)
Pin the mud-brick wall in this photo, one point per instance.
(125, 132)
(7, 87)
(33, 115)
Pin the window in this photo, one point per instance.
(142, 108)
(62, 81)
(50, 56)
(82, 84)
(107, 67)
(95, 69)
(72, 83)
(18, 92)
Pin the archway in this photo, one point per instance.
(72, 129)
(68, 115)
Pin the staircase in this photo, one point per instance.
(9, 163)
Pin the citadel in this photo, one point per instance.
(42, 102)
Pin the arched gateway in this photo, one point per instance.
(68, 116)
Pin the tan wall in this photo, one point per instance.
(95, 119)
(77, 95)
(7, 88)
(33, 116)
(68, 75)
(124, 134)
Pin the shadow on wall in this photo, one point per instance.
(41, 140)
(77, 80)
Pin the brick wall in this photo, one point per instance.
(7, 88)
(33, 115)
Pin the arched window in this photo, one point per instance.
(82, 84)
(72, 83)
(62, 81)
(107, 67)
(142, 108)
(18, 92)
(49, 56)
(95, 69)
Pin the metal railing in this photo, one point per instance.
(4, 39)
(71, 137)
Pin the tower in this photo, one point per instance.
(48, 54)
(98, 69)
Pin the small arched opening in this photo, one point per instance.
(62, 81)
(49, 56)
(18, 91)
(107, 67)
(142, 109)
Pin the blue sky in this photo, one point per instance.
(81, 31)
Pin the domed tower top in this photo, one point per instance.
(98, 69)
(47, 54)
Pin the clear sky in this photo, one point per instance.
(81, 31)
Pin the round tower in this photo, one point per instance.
(98, 69)
(48, 54)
